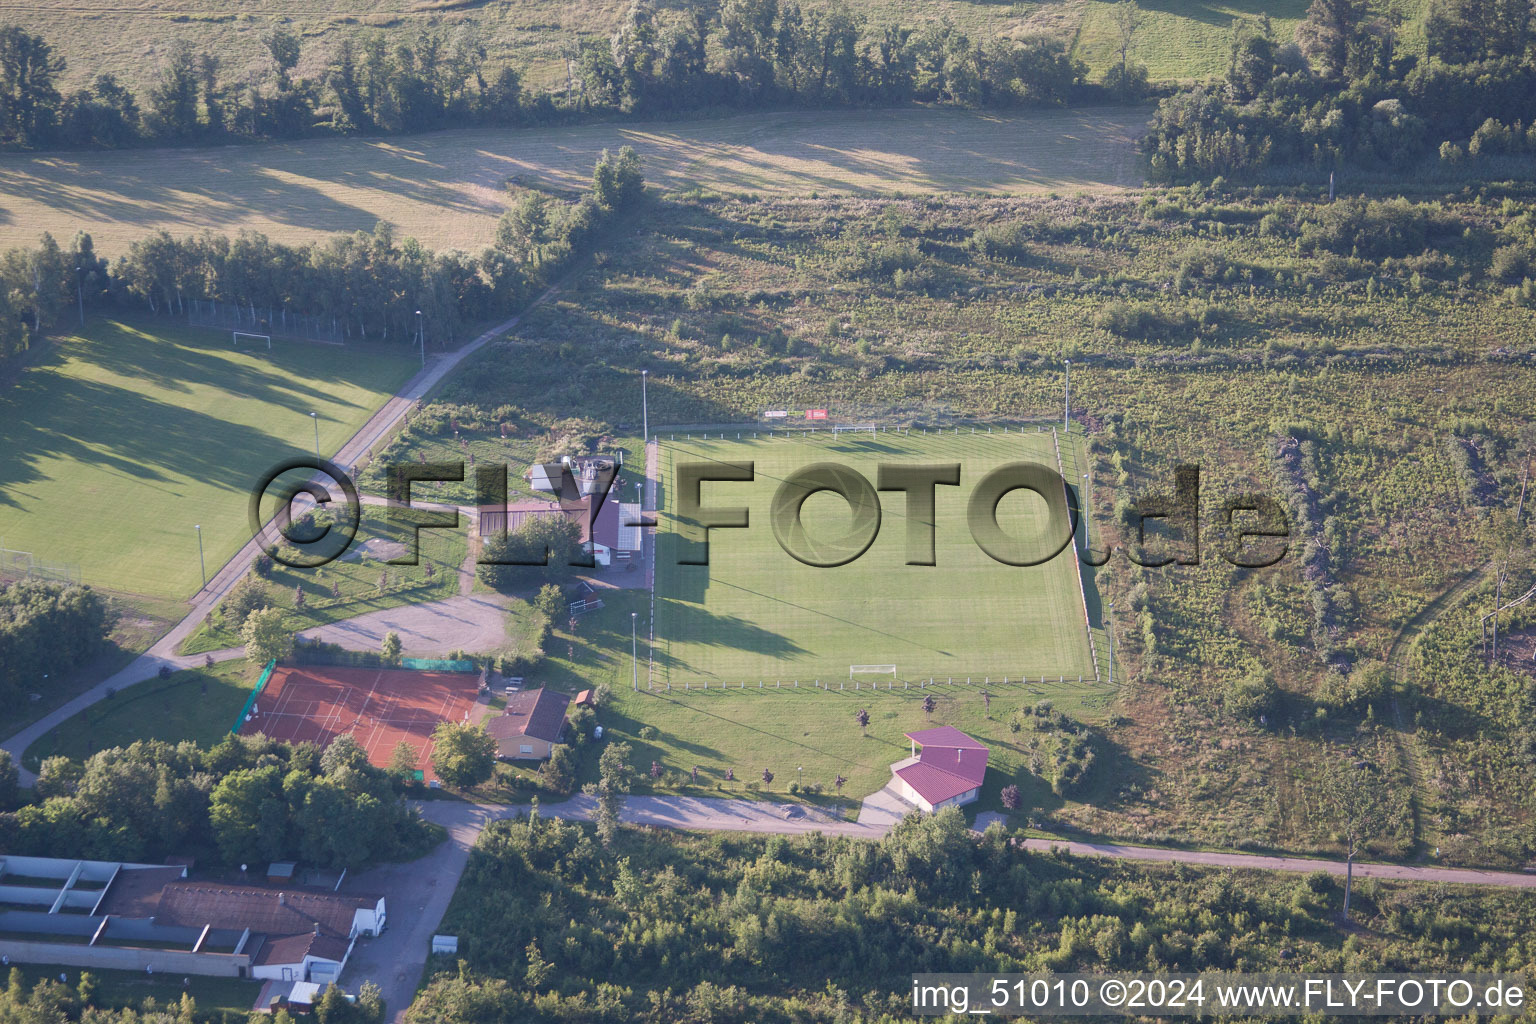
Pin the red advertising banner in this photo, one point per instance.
(815, 414)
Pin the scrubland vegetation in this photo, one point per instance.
(667, 926)
(1366, 363)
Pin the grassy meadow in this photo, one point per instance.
(755, 613)
(197, 704)
(448, 188)
(126, 434)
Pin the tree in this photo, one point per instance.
(10, 790)
(463, 755)
(404, 761)
(1251, 61)
(248, 812)
(862, 717)
(173, 97)
(617, 182)
(1354, 788)
(767, 777)
(298, 596)
(539, 969)
(1329, 33)
(541, 551)
(549, 601)
(28, 98)
(266, 636)
(1462, 31)
(929, 704)
(283, 45)
(1126, 17)
(1011, 797)
(343, 753)
(57, 776)
(389, 649)
(559, 770)
(614, 774)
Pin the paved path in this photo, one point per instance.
(162, 653)
(1303, 865)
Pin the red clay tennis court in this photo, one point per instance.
(379, 707)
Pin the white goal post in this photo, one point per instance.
(237, 335)
(871, 670)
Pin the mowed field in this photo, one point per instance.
(127, 434)
(755, 613)
(448, 188)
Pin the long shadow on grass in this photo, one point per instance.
(149, 443)
(170, 361)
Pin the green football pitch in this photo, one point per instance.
(755, 613)
(123, 437)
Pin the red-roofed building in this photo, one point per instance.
(946, 769)
(531, 725)
(600, 539)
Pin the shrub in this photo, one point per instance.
(1511, 263)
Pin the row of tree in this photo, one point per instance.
(45, 629)
(243, 800)
(1344, 91)
(87, 1001)
(742, 53)
(366, 287)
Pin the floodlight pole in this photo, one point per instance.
(1109, 632)
(422, 338)
(634, 655)
(316, 418)
(80, 294)
(1066, 410)
(645, 410)
(1085, 512)
(200, 563)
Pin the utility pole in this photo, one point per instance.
(645, 410)
(1066, 410)
(316, 418)
(421, 337)
(634, 655)
(200, 563)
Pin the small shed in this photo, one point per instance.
(545, 478)
(303, 996)
(445, 945)
(280, 872)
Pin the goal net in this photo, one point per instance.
(247, 340)
(871, 670)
